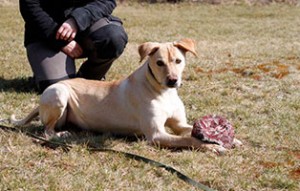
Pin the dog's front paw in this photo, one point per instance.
(219, 150)
(215, 148)
(237, 143)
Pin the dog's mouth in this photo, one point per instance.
(174, 86)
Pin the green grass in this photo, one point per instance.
(248, 70)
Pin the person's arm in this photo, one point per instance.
(33, 13)
(86, 15)
(82, 17)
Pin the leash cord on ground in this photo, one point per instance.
(129, 155)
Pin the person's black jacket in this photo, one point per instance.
(44, 17)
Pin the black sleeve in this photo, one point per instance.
(86, 15)
(34, 15)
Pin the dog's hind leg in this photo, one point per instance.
(53, 108)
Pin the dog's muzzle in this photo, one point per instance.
(172, 82)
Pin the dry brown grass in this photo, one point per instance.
(247, 70)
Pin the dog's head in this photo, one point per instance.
(167, 60)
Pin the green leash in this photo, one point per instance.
(170, 169)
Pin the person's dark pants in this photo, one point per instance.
(102, 43)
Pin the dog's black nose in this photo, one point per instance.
(172, 82)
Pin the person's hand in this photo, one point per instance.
(73, 49)
(67, 31)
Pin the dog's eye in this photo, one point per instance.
(177, 61)
(160, 63)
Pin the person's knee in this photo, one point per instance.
(117, 43)
(44, 84)
(109, 42)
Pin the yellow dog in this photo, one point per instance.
(144, 103)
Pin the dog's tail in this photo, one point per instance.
(34, 113)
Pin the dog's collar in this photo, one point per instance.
(152, 74)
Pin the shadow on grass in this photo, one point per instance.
(76, 136)
(19, 85)
(90, 139)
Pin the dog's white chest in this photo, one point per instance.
(168, 103)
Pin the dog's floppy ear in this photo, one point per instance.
(186, 44)
(147, 48)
